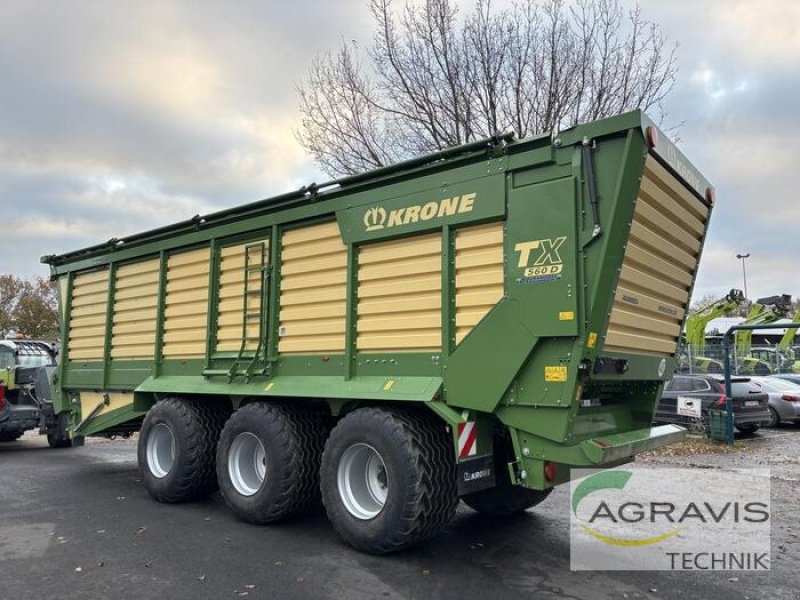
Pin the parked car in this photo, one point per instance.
(682, 392)
(784, 399)
(789, 377)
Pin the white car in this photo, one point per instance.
(784, 399)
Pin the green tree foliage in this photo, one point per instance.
(28, 307)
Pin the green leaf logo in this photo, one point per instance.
(611, 480)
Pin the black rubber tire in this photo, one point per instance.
(60, 437)
(504, 499)
(293, 438)
(748, 429)
(196, 426)
(761, 369)
(774, 418)
(420, 466)
(10, 436)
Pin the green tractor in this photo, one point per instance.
(27, 368)
(762, 312)
(694, 359)
(787, 348)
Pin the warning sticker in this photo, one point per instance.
(467, 439)
(555, 373)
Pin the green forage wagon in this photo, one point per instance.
(470, 324)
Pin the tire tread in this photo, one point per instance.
(199, 425)
(302, 431)
(434, 497)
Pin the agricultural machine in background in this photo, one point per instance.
(762, 312)
(26, 370)
(694, 358)
(787, 348)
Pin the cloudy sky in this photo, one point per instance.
(116, 117)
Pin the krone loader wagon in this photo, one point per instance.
(470, 325)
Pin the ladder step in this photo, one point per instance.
(212, 372)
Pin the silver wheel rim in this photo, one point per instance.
(247, 464)
(362, 481)
(160, 450)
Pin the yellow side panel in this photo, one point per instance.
(133, 330)
(186, 304)
(88, 316)
(400, 295)
(479, 274)
(90, 401)
(232, 304)
(63, 288)
(313, 290)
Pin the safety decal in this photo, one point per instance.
(467, 439)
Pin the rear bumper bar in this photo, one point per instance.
(611, 448)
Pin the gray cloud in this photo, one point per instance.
(115, 118)
(737, 100)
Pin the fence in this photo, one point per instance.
(762, 359)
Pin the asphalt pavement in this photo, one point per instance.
(78, 524)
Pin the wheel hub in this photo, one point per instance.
(160, 450)
(247, 464)
(362, 481)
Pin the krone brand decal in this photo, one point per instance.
(540, 260)
(376, 218)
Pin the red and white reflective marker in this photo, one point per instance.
(467, 438)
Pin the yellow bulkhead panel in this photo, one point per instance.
(400, 295)
(87, 323)
(133, 330)
(186, 304)
(231, 304)
(479, 274)
(313, 302)
(91, 400)
(658, 267)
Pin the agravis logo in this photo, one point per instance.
(670, 518)
(611, 480)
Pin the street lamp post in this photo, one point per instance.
(743, 257)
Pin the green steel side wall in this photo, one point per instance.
(539, 188)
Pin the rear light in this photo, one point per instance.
(2, 395)
(722, 400)
(651, 134)
(550, 472)
(790, 398)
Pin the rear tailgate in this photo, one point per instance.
(750, 404)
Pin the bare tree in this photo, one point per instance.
(433, 79)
